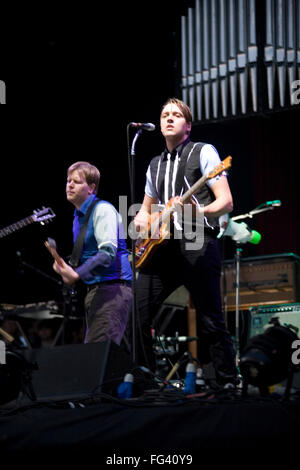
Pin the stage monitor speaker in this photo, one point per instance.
(78, 371)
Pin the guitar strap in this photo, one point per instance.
(78, 245)
(181, 168)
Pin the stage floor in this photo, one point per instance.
(217, 426)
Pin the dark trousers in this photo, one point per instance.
(199, 271)
(107, 309)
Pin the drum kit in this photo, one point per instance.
(38, 311)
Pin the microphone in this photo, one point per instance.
(255, 237)
(147, 126)
(241, 233)
(181, 339)
(276, 203)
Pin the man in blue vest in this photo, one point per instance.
(104, 266)
(179, 262)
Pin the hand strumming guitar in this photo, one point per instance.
(69, 276)
(141, 220)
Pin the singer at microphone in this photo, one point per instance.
(171, 173)
(147, 126)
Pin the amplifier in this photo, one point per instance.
(287, 314)
(264, 280)
(259, 317)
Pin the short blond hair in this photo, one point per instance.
(90, 173)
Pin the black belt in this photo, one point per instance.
(111, 281)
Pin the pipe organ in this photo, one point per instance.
(238, 60)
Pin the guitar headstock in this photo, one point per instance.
(224, 165)
(50, 244)
(43, 215)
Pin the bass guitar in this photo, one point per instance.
(76, 296)
(158, 227)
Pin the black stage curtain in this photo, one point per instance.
(265, 164)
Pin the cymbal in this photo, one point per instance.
(38, 315)
(38, 311)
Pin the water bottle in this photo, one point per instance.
(200, 382)
(125, 389)
(190, 379)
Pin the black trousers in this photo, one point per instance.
(199, 271)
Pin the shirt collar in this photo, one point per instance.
(84, 206)
(176, 150)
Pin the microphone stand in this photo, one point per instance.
(238, 254)
(67, 293)
(36, 270)
(132, 187)
(255, 211)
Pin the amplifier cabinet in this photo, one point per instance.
(287, 314)
(259, 317)
(264, 280)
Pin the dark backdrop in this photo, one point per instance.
(76, 76)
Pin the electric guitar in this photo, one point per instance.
(158, 226)
(42, 216)
(76, 296)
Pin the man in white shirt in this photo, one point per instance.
(178, 262)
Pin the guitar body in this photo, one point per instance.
(146, 248)
(160, 232)
(75, 296)
(159, 225)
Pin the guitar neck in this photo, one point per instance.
(165, 215)
(54, 254)
(187, 195)
(16, 226)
